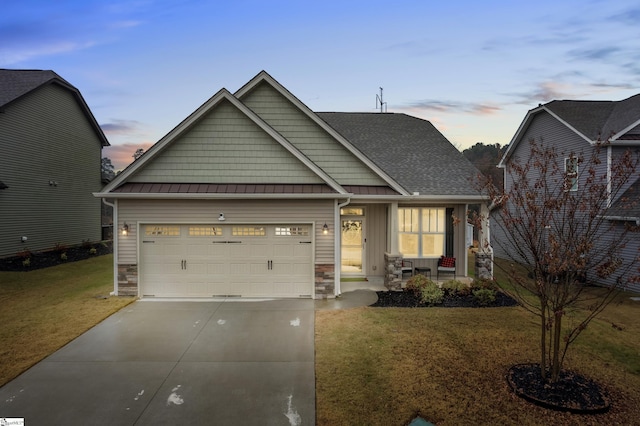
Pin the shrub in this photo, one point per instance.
(26, 262)
(431, 294)
(416, 283)
(24, 254)
(484, 283)
(59, 248)
(484, 296)
(93, 250)
(63, 256)
(456, 287)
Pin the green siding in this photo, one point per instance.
(44, 137)
(309, 137)
(225, 146)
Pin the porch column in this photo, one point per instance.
(484, 255)
(393, 228)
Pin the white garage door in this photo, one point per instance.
(226, 260)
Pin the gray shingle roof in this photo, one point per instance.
(598, 119)
(16, 83)
(410, 150)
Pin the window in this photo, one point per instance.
(205, 231)
(571, 174)
(249, 231)
(352, 211)
(422, 232)
(292, 231)
(172, 231)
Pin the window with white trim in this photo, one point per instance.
(205, 231)
(421, 232)
(248, 231)
(171, 231)
(571, 174)
(282, 231)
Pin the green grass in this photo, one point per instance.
(43, 310)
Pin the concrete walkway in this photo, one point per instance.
(182, 362)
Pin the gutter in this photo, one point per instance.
(337, 228)
(623, 219)
(115, 246)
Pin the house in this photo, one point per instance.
(578, 127)
(255, 195)
(50, 153)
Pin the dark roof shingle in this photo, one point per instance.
(410, 150)
(598, 119)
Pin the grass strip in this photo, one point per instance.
(43, 310)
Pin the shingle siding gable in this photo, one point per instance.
(225, 146)
(307, 136)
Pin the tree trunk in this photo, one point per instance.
(543, 344)
(557, 334)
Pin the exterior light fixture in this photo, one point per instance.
(221, 217)
(325, 229)
(125, 229)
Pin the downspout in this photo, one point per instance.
(338, 246)
(115, 246)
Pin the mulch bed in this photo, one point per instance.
(407, 299)
(45, 259)
(573, 392)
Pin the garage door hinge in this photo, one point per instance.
(305, 242)
(148, 241)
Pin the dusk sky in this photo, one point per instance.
(472, 68)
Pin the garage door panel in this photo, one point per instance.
(223, 264)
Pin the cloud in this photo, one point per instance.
(594, 54)
(121, 127)
(49, 30)
(121, 155)
(630, 16)
(452, 107)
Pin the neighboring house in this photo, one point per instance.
(255, 195)
(50, 150)
(577, 126)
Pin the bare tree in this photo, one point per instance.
(552, 216)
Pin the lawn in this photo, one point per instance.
(383, 366)
(42, 310)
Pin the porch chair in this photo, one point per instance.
(446, 265)
(407, 267)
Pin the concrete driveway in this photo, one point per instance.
(175, 363)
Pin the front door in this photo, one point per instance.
(352, 245)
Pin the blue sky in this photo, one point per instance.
(471, 68)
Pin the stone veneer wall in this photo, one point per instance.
(127, 280)
(393, 271)
(484, 265)
(325, 284)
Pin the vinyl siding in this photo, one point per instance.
(134, 212)
(309, 137)
(629, 251)
(44, 137)
(225, 146)
(376, 235)
(552, 132)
